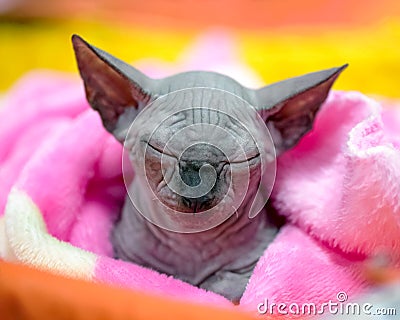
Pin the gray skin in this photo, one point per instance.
(220, 259)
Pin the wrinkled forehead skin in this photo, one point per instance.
(202, 115)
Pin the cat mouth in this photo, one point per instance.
(197, 205)
(190, 205)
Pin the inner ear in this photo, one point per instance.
(111, 86)
(289, 107)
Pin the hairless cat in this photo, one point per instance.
(200, 154)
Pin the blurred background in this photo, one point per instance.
(276, 38)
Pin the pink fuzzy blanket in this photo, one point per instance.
(61, 189)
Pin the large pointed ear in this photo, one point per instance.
(113, 88)
(290, 106)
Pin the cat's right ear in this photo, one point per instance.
(115, 89)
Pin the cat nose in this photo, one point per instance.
(190, 172)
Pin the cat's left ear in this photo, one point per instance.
(289, 107)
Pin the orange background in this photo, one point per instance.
(239, 14)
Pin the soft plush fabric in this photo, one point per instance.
(61, 189)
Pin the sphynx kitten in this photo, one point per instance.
(221, 258)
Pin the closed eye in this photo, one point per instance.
(250, 162)
(155, 148)
(159, 150)
(250, 159)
